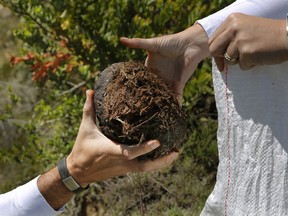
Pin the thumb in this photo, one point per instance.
(139, 43)
(88, 109)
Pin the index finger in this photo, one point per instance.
(219, 44)
(139, 43)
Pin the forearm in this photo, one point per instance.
(274, 9)
(53, 190)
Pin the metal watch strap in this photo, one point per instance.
(67, 179)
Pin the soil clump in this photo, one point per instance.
(134, 105)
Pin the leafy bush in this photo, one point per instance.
(65, 45)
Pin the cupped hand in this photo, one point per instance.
(174, 57)
(251, 40)
(94, 157)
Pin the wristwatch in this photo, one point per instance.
(67, 179)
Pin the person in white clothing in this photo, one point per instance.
(93, 158)
(252, 176)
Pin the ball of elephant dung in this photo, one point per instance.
(134, 105)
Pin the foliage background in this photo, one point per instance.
(56, 50)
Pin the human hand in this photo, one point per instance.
(174, 57)
(251, 40)
(94, 157)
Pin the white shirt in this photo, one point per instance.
(252, 176)
(25, 200)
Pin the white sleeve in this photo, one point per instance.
(274, 9)
(26, 200)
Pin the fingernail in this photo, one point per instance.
(153, 144)
(172, 157)
(89, 92)
(175, 155)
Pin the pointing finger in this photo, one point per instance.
(139, 43)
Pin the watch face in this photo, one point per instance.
(70, 183)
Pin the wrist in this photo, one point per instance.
(197, 36)
(76, 171)
(195, 41)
